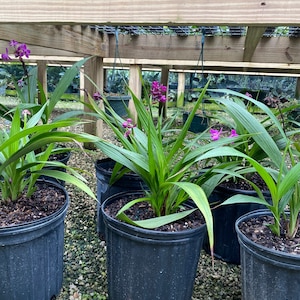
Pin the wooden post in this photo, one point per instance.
(180, 89)
(81, 84)
(94, 69)
(135, 85)
(42, 77)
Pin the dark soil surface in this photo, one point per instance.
(257, 230)
(143, 211)
(45, 201)
(240, 184)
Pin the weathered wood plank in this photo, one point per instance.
(228, 49)
(210, 65)
(173, 47)
(253, 37)
(76, 39)
(188, 12)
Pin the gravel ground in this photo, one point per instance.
(85, 259)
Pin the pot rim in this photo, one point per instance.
(245, 240)
(142, 231)
(48, 219)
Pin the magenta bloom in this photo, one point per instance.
(248, 95)
(233, 133)
(158, 92)
(128, 125)
(127, 133)
(97, 96)
(5, 56)
(215, 134)
(13, 43)
(22, 50)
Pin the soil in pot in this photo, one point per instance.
(143, 211)
(46, 200)
(256, 230)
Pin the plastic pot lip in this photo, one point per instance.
(118, 97)
(221, 188)
(110, 163)
(103, 165)
(245, 239)
(48, 219)
(139, 230)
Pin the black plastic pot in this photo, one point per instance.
(64, 159)
(147, 264)
(199, 123)
(31, 257)
(267, 274)
(119, 104)
(129, 182)
(226, 245)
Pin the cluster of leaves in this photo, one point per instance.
(160, 155)
(21, 160)
(272, 152)
(25, 149)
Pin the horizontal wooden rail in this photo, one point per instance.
(159, 12)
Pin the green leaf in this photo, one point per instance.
(68, 178)
(64, 83)
(253, 126)
(241, 198)
(157, 221)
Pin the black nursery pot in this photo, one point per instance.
(129, 182)
(226, 245)
(199, 123)
(63, 158)
(266, 273)
(31, 257)
(147, 264)
(119, 104)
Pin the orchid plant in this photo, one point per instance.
(158, 154)
(274, 155)
(21, 167)
(26, 147)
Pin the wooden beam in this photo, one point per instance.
(180, 88)
(253, 37)
(174, 47)
(75, 39)
(192, 64)
(92, 69)
(189, 12)
(275, 49)
(225, 48)
(135, 85)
